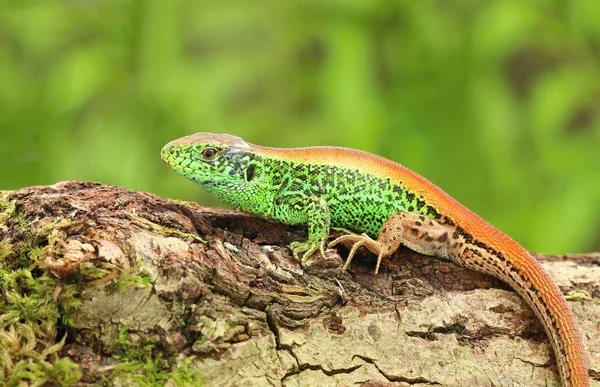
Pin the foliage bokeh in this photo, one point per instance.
(497, 102)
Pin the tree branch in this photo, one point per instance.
(221, 286)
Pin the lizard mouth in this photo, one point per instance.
(168, 153)
(174, 157)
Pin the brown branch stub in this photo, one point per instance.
(249, 312)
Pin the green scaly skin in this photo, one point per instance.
(295, 193)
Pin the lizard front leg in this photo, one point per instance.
(297, 209)
(416, 232)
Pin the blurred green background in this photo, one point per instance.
(497, 102)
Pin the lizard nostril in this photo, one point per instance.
(168, 152)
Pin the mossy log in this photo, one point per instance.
(143, 290)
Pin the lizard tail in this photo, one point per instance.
(528, 278)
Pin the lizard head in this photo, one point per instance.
(222, 164)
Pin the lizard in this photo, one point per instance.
(388, 204)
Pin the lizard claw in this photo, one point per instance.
(359, 240)
(306, 249)
(348, 237)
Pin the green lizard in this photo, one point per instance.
(323, 187)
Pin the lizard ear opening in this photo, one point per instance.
(250, 172)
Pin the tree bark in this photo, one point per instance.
(220, 288)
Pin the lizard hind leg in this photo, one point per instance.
(415, 231)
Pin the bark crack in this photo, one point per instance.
(315, 367)
(430, 335)
(393, 378)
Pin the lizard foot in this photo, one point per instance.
(306, 249)
(362, 240)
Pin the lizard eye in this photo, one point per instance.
(209, 153)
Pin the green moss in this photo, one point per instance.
(62, 372)
(68, 301)
(128, 280)
(28, 331)
(140, 366)
(7, 208)
(21, 247)
(29, 316)
(6, 249)
(135, 277)
(94, 270)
